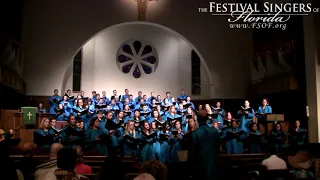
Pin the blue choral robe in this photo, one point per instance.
(67, 106)
(171, 116)
(266, 110)
(182, 97)
(131, 148)
(85, 117)
(44, 133)
(68, 140)
(145, 117)
(147, 150)
(114, 136)
(43, 110)
(162, 147)
(297, 138)
(246, 121)
(220, 118)
(255, 141)
(233, 145)
(203, 153)
(62, 117)
(174, 147)
(278, 139)
(52, 104)
(100, 147)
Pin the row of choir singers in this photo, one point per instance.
(120, 101)
(216, 113)
(158, 140)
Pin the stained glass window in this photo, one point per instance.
(137, 58)
(195, 74)
(77, 66)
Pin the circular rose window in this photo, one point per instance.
(137, 58)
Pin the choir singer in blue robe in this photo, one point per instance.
(66, 104)
(220, 114)
(265, 108)
(148, 138)
(71, 135)
(82, 116)
(131, 143)
(43, 131)
(163, 137)
(145, 114)
(54, 101)
(61, 113)
(255, 139)
(152, 96)
(172, 115)
(234, 137)
(95, 138)
(155, 117)
(188, 101)
(277, 137)
(246, 114)
(262, 112)
(128, 114)
(174, 143)
(182, 96)
(125, 96)
(41, 109)
(114, 132)
(297, 136)
(138, 98)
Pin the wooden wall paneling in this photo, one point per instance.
(35, 100)
(7, 119)
(26, 136)
(11, 79)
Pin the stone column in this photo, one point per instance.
(311, 41)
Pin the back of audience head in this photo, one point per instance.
(112, 167)
(7, 169)
(272, 150)
(202, 117)
(54, 149)
(67, 159)
(78, 149)
(27, 149)
(144, 176)
(157, 169)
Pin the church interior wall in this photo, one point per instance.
(52, 39)
(100, 71)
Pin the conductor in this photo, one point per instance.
(204, 149)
